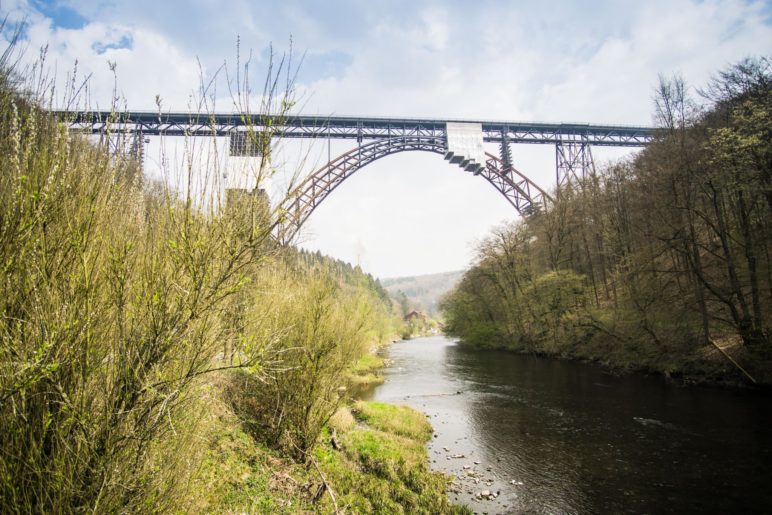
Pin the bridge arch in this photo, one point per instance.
(524, 195)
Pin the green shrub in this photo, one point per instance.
(324, 328)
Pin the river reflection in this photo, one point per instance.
(563, 437)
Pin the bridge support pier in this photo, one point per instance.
(505, 152)
(573, 161)
(125, 146)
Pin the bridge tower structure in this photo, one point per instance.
(459, 141)
(573, 161)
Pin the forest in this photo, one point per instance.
(659, 262)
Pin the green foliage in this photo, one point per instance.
(325, 327)
(373, 470)
(555, 299)
(238, 473)
(117, 297)
(121, 303)
(365, 371)
(345, 273)
(112, 299)
(367, 363)
(419, 324)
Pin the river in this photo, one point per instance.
(563, 437)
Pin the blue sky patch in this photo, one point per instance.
(125, 42)
(327, 65)
(62, 16)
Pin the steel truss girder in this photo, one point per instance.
(348, 127)
(519, 191)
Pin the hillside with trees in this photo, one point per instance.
(421, 292)
(660, 262)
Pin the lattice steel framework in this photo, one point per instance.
(124, 145)
(519, 191)
(573, 161)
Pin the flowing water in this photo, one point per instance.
(563, 437)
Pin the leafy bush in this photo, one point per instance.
(324, 328)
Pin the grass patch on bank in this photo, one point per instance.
(365, 371)
(240, 474)
(398, 420)
(382, 467)
(385, 454)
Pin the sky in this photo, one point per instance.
(410, 213)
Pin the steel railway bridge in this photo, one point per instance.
(459, 141)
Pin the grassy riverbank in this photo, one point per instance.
(365, 372)
(371, 458)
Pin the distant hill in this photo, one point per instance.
(423, 292)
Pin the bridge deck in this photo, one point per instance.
(352, 127)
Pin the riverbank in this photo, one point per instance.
(725, 363)
(371, 457)
(366, 371)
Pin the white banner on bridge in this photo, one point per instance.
(465, 145)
